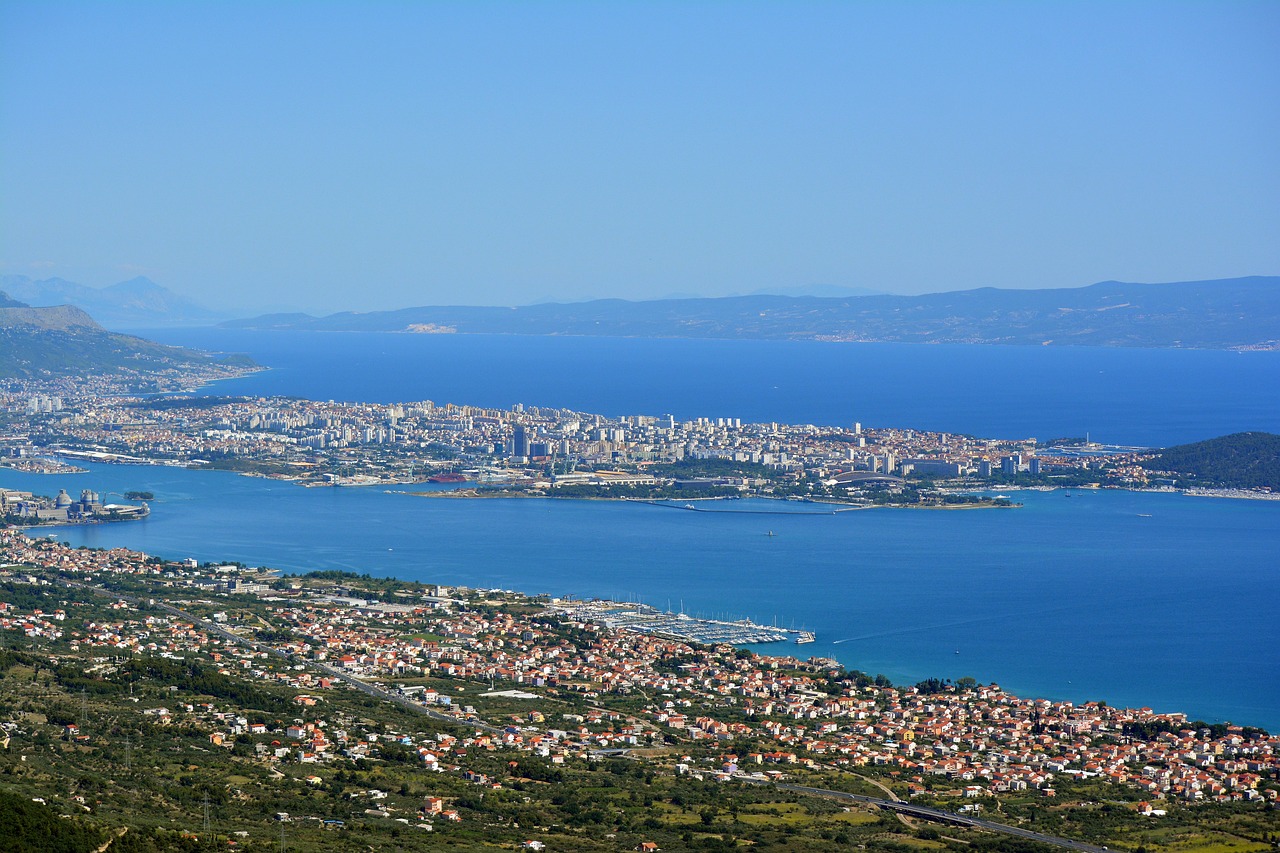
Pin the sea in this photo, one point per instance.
(1133, 396)
(1153, 600)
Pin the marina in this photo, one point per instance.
(643, 619)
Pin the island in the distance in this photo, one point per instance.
(1238, 313)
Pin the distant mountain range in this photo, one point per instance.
(62, 340)
(1238, 313)
(138, 303)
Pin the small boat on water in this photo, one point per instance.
(805, 637)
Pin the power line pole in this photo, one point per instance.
(208, 826)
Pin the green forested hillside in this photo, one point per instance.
(29, 826)
(1245, 460)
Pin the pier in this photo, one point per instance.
(643, 619)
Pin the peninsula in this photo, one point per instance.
(43, 344)
(529, 450)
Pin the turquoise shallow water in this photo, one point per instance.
(1078, 598)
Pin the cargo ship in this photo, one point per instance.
(449, 477)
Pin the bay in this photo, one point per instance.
(1079, 598)
(1137, 599)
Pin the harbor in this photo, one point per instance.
(643, 619)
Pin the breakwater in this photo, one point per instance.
(643, 619)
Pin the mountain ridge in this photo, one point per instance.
(1239, 313)
(135, 303)
(38, 342)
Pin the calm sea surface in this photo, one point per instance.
(1136, 599)
(1121, 396)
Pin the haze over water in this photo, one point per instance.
(1085, 598)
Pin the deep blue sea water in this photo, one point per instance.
(1121, 396)
(1079, 598)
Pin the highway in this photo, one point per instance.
(926, 813)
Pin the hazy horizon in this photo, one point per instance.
(257, 157)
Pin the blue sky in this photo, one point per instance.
(328, 156)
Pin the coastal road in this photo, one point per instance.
(939, 815)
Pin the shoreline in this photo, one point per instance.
(483, 494)
(638, 616)
(1263, 346)
(1054, 692)
(1194, 492)
(474, 492)
(1198, 492)
(1225, 493)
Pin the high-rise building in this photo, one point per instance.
(520, 444)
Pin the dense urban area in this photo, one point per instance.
(535, 450)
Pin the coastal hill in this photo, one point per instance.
(138, 303)
(1240, 313)
(1245, 460)
(62, 340)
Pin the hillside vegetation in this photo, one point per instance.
(62, 340)
(1245, 460)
